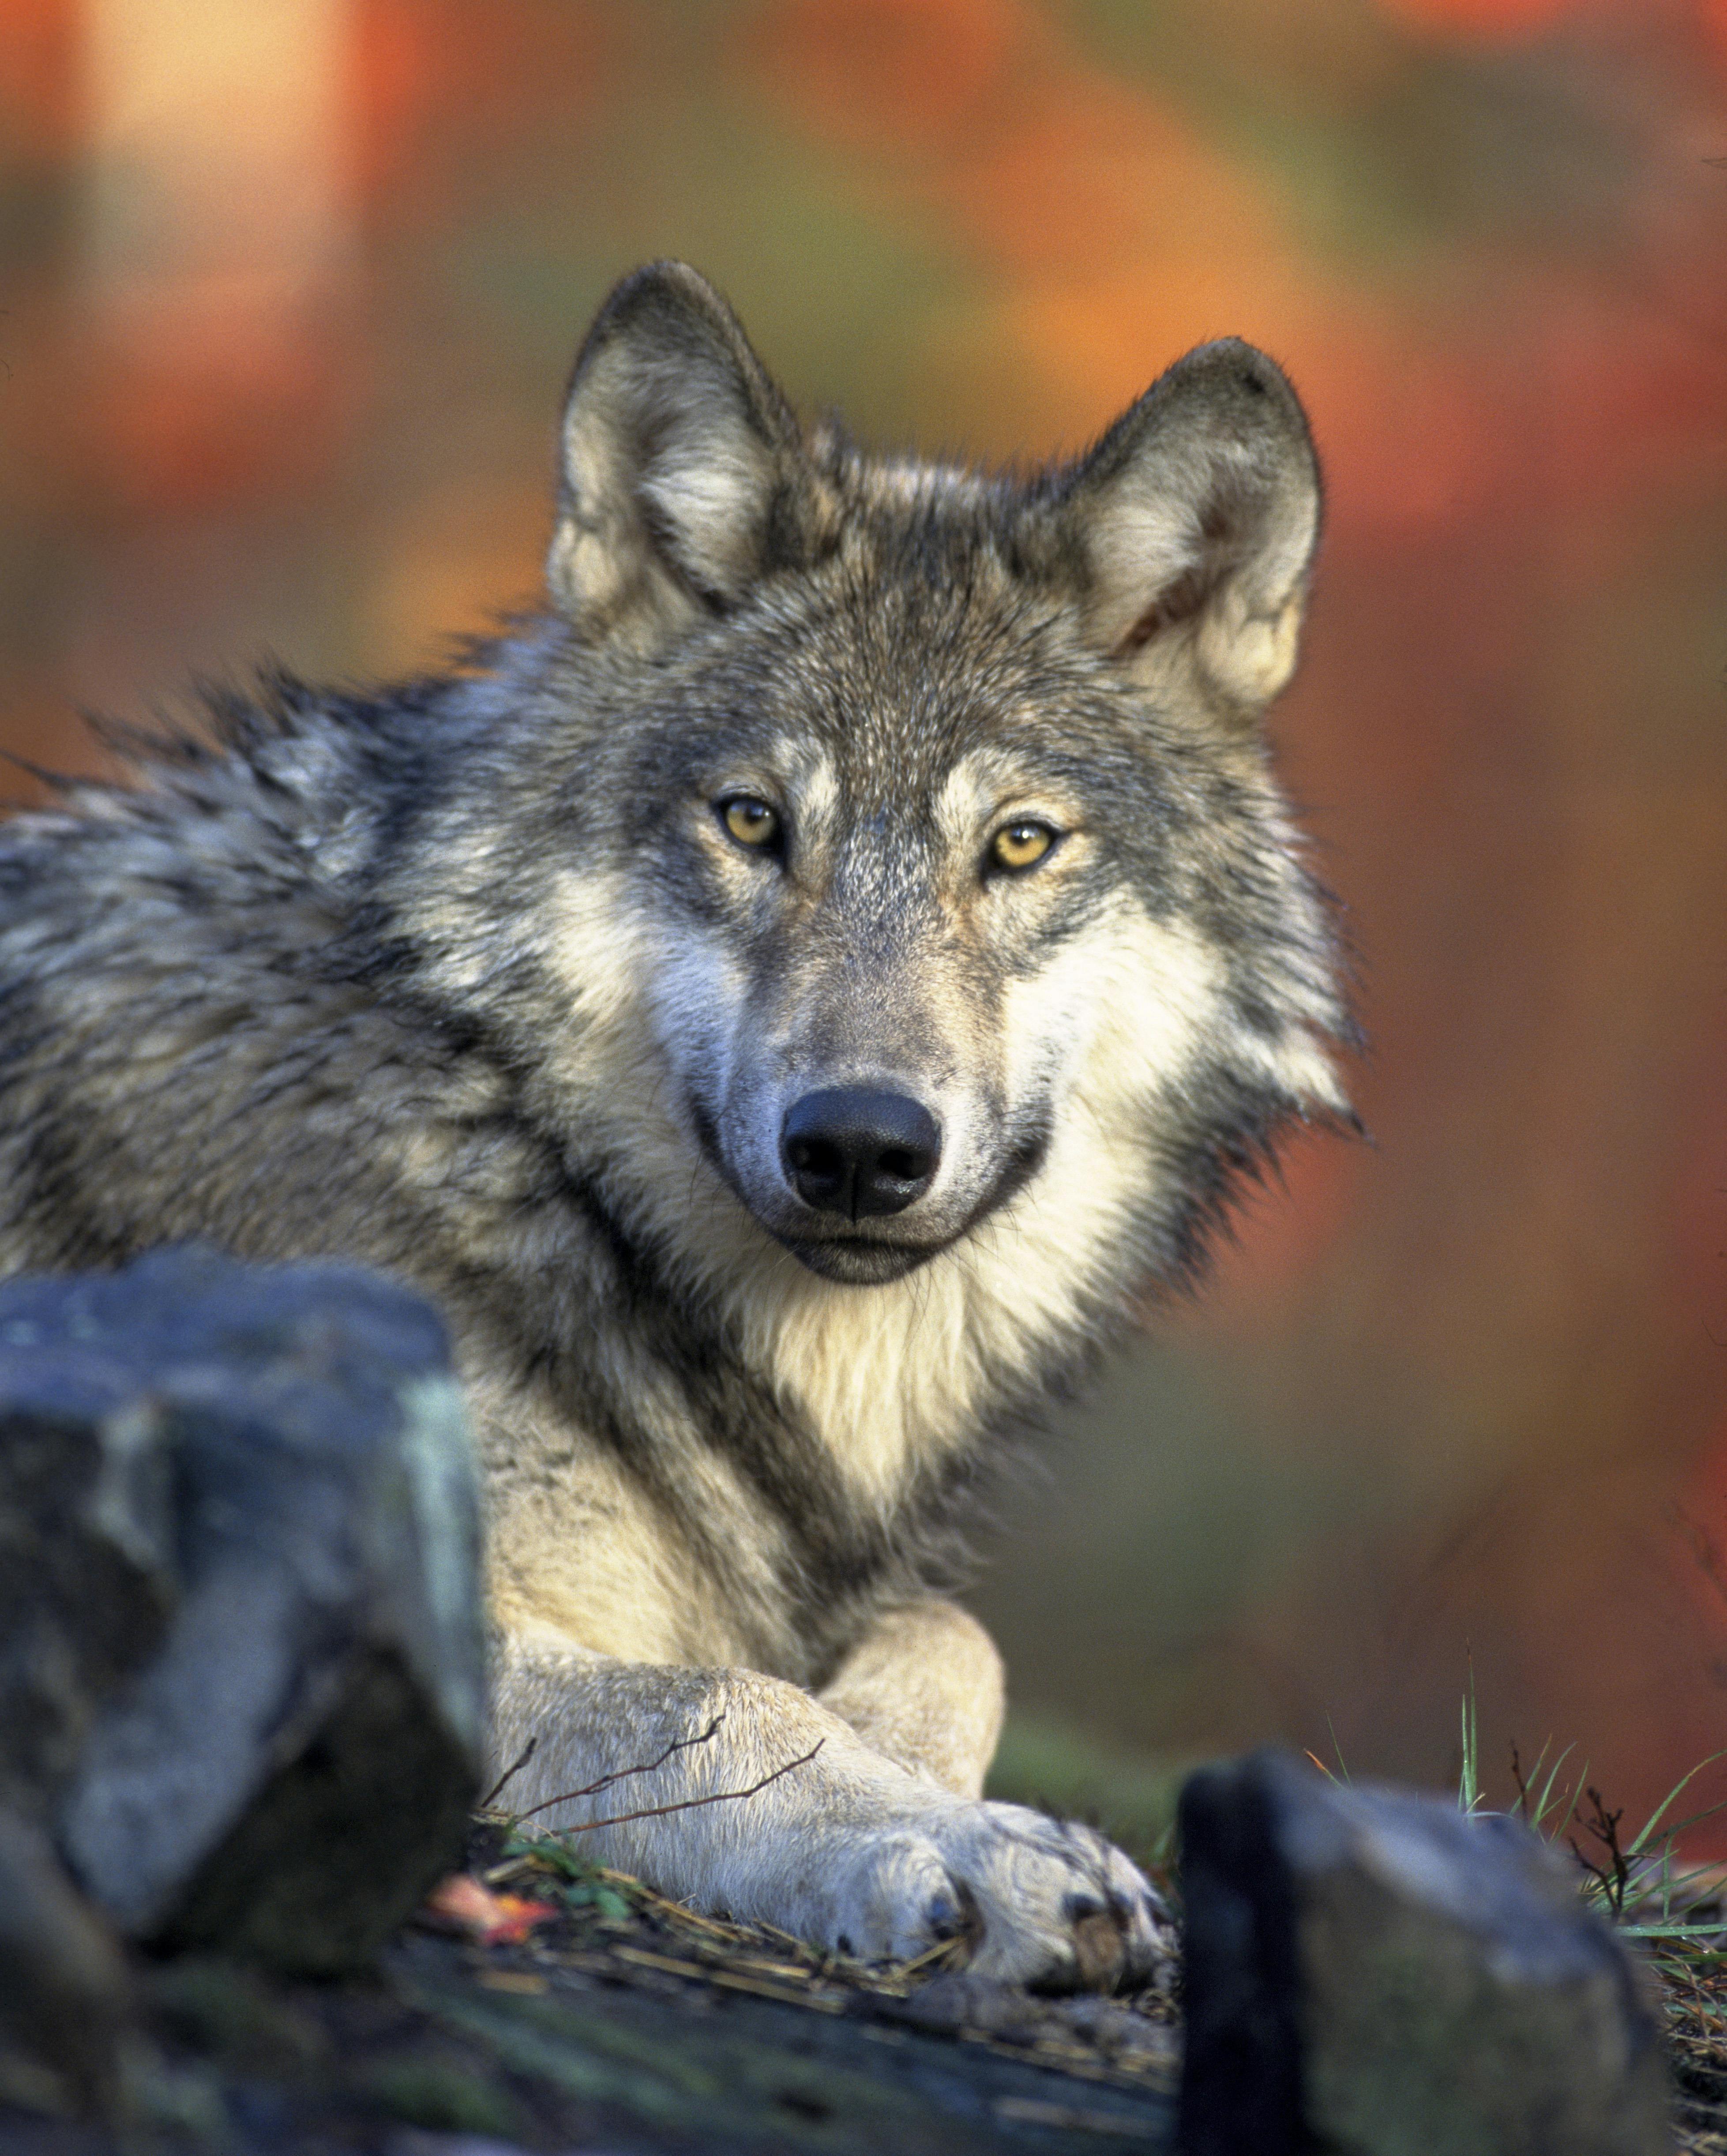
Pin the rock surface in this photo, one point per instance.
(1374, 1972)
(241, 1660)
(65, 1997)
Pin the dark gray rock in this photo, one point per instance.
(240, 1645)
(65, 2000)
(1374, 1972)
(88, 1577)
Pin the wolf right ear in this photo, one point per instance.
(681, 475)
(1195, 518)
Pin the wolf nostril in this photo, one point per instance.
(817, 1157)
(855, 1150)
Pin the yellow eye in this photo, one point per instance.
(1019, 846)
(750, 822)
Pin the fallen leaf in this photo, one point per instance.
(464, 1903)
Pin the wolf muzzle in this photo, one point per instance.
(854, 1150)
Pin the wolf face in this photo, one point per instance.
(965, 878)
(900, 889)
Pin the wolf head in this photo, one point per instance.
(918, 833)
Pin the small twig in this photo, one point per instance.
(624, 1773)
(1615, 1877)
(1522, 1786)
(691, 1803)
(510, 1772)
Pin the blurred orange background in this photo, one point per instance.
(290, 287)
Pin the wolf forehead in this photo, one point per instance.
(863, 674)
(1120, 620)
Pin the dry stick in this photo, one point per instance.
(690, 1804)
(509, 1773)
(624, 1773)
(1615, 1877)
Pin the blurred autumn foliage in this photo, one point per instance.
(289, 291)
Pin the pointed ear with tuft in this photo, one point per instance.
(1195, 518)
(682, 477)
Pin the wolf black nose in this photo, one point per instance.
(854, 1151)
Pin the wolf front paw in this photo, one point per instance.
(1043, 1903)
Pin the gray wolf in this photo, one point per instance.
(788, 1000)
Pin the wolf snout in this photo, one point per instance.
(856, 1149)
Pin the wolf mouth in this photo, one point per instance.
(859, 1261)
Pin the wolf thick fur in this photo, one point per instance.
(822, 780)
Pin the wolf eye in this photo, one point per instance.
(750, 821)
(1019, 846)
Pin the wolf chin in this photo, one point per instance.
(788, 1001)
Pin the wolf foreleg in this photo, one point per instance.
(848, 1849)
(924, 1687)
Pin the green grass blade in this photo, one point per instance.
(1671, 1798)
(1469, 1777)
(1565, 1826)
(1545, 1802)
(1679, 1826)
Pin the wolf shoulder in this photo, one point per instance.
(197, 1033)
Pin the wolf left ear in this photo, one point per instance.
(681, 477)
(1195, 518)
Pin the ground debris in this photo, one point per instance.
(621, 2020)
(634, 1938)
(613, 1930)
(1693, 1981)
(544, 2003)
